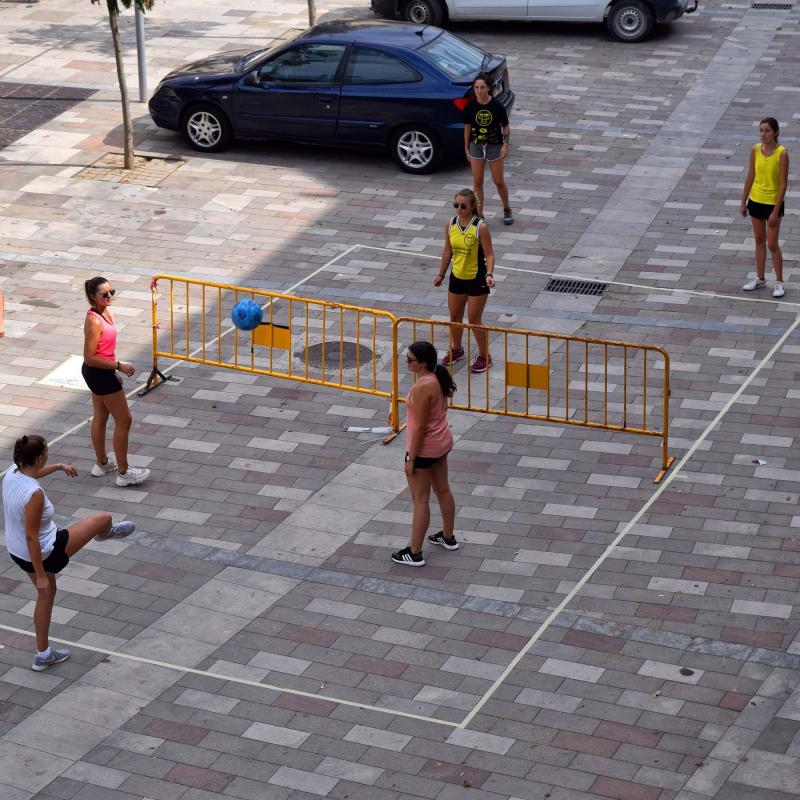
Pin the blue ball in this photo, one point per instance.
(247, 315)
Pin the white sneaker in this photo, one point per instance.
(133, 477)
(754, 283)
(777, 290)
(98, 470)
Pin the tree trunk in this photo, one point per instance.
(312, 12)
(123, 91)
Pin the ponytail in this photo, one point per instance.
(445, 380)
(426, 354)
(28, 449)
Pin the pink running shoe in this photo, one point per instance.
(481, 364)
(450, 358)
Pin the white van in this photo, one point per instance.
(627, 20)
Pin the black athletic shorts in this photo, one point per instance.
(762, 210)
(421, 462)
(101, 381)
(475, 287)
(56, 560)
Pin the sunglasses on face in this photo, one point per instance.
(461, 205)
(411, 360)
(106, 295)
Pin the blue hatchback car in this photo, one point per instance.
(366, 84)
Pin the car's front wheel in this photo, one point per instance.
(416, 149)
(423, 12)
(630, 21)
(207, 129)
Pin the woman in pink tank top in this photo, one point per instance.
(99, 370)
(428, 441)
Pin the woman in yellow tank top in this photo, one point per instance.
(762, 199)
(468, 245)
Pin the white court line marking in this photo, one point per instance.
(627, 529)
(645, 286)
(244, 681)
(172, 366)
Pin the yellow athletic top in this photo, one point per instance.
(469, 260)
(767, 183)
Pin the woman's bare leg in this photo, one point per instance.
(456, 303)
(475, 306)
(117, 406)
(496, 168)
(83, 531)
(419, 483)
(447, 503)
(99, 424)
(773, 243)
(760, 236)
(43, 612)
(478, 167)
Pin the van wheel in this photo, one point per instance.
(416, 149)
(630, 21)
(207, 129)
(423, 12)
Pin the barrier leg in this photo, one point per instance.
(155, 378)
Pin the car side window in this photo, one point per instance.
(367, 65)
(306, 63)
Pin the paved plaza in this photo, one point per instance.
(598, 636)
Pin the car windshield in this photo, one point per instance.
(457, 58)
(249, 60)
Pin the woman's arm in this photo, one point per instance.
(33, 522)
(467, 135)
(775, 216)
(488, 251)
(748, 181)
(447, 254)
(506, 140)
(51, 468)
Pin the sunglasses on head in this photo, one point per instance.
(106, 295)
(461, 205)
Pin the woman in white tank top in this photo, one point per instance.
(33, 540)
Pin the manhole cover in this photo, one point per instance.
(346, 355)
(773, 6)
(565, 286)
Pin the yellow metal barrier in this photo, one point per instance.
(571, 380)
(551, 377)
(302, 339)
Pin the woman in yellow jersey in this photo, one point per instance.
(762, 198)
(468, 244)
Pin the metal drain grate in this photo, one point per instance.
(773, 6)
(564, 286)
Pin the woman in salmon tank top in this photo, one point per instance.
(100, 368)
(428, 441)
(762, 199)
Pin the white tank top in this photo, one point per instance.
(17, 492)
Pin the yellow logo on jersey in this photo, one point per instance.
(483, 117)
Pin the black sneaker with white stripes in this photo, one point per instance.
(441, 539)
(407, 558)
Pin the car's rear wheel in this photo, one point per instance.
(630, 21)
(423, 12)
(207, 129)
(416, 149)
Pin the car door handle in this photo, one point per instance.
(324, 98)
